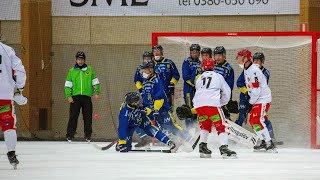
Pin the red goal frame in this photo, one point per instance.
(314, 68)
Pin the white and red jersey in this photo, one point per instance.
(10, 63)
(211, 90)
(257, 85)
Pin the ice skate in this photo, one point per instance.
(13, 159)
(88, 139)
(261, 147)
(69, 139)
(227, 153)
(173, 146)
(270, 147)
(204, 151)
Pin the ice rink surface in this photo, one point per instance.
(81, 161)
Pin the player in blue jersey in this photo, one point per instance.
(191, 67)
(258, 60)
(132, 115)
(138, 78)
(224, 68)
(155, 100)
(167, 71)
(144, 139)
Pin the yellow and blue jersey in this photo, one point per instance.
(266, 73)
(153, 94)
(129, 118)
(138, 78)
(190, 69)
(227, 73)
(168, 73)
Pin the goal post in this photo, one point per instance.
(291, 58)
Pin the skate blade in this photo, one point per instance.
(272, 151)
(15, 166)
(259, 150)
(232, 156)
(202, 155)
(146, 147)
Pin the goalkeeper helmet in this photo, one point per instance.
(208, 64)
(133, 99)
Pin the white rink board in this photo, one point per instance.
(80, 161)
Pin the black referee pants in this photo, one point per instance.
(84, 102)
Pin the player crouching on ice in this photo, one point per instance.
(259, 99)
(212, 92)
(133, 115)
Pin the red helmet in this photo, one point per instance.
(208, 64)
(245, 53)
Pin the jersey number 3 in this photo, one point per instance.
(206, 82)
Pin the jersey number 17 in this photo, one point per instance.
(206, 82)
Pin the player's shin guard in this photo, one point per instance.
(269, 127)
(223, 138)
(264, 133)
(10, 137)
(162, 137)
(204, 136)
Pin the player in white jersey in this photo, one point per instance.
(212, 92)
(12, 75)
(259, 101)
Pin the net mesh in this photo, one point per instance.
(287, 58)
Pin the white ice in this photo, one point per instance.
(77, 161)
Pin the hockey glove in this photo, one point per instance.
(247, 97)
(143, 112)
(248, 107)
(123, 148)
(19, 98)
(183, 112)
(156, 115)
(233, 106)
(171, 88)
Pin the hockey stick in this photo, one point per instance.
(196, 143)
(103, 148)
(151, 150)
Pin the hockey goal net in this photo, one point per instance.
(291, 58)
